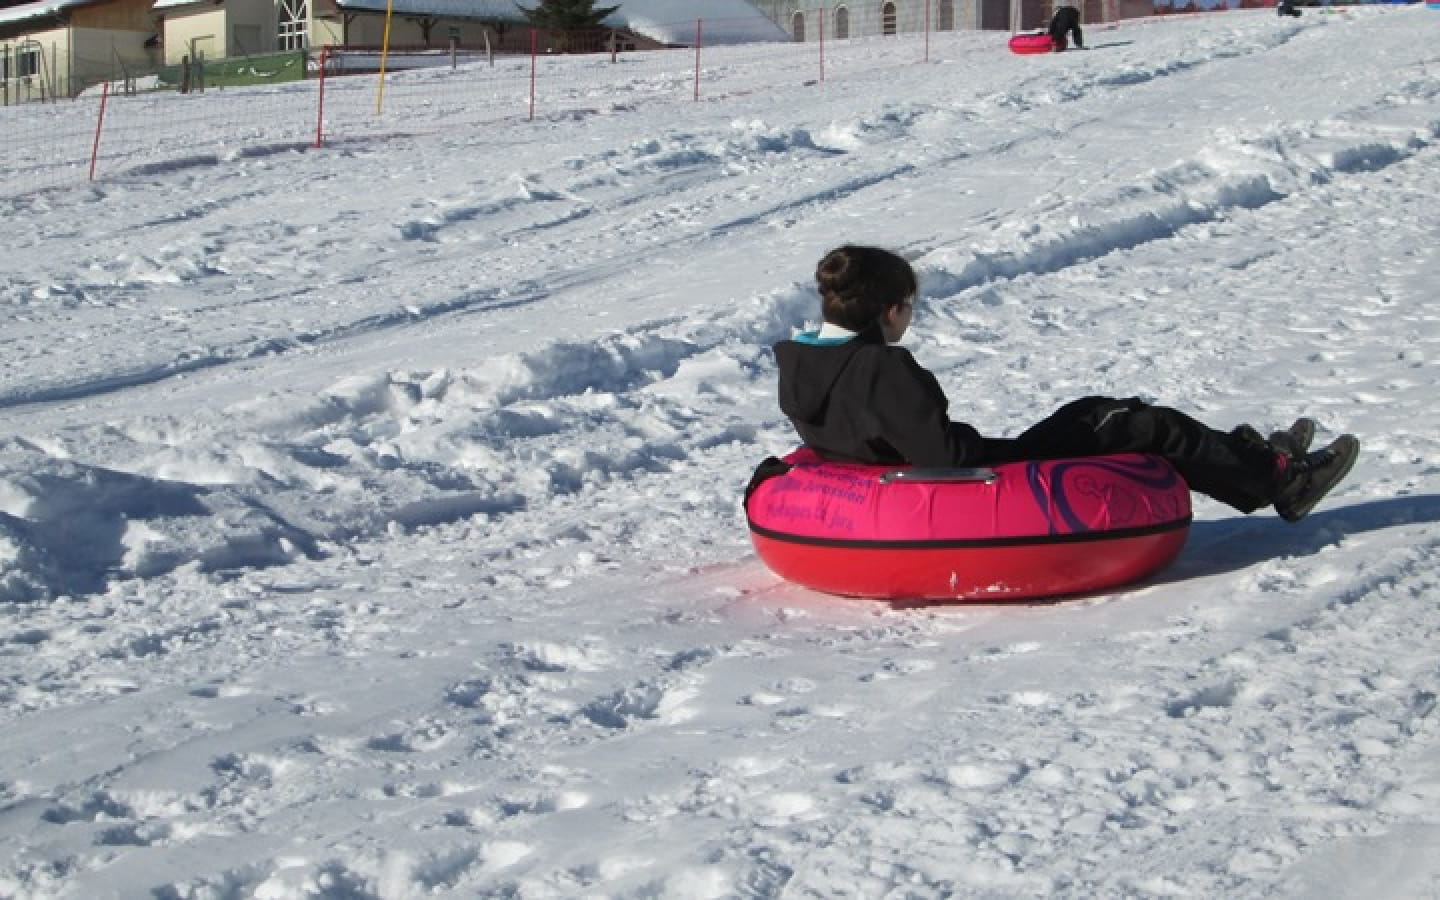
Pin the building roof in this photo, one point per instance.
(666, 21)
(673, 21)
(39, 9)
(171, 4)
(498, 10)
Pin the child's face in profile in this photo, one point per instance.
(896, 320)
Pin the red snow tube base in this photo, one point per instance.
(1039, 42)
(1017, 531)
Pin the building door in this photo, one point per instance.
(995, 15)
(945, 20)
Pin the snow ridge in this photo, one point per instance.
(402, 432)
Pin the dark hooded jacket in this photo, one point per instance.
(862, 400)
(1067, 18)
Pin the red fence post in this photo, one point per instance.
(95, 149)
(320, 116)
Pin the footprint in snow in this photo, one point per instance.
(416, 739)
(1030, 699)
(751, 766)
(546, 656)
(899, 668)
(643, 702)
(784, 808)
(542, 803)
(219, 691)
(1016, 649)
(982, 776)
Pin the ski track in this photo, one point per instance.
(1191, 193)
(1181, 198)
(1317, 707)
(641, 359)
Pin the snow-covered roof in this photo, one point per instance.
(39, 9)
(673, 21)
(502, 10)
(667, 21)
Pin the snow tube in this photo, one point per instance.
(1015, 531)
(1038, 42)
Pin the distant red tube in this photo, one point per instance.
(1016, 531)
(1038, 42)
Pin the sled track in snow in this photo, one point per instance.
(1148, 210)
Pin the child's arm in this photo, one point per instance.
(912, 416)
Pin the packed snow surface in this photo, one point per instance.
(370, 516)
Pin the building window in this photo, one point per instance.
(294, 24)
(947, 16)
(842, 23)
(27, 61)
(797, 25)
(888, 18)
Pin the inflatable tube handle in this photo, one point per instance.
(922, 475)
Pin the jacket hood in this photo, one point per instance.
(809, 368)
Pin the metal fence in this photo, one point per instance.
(120, 128)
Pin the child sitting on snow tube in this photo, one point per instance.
(854, 396)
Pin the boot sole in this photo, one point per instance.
(1347, 448)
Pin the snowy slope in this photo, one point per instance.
(369, 518)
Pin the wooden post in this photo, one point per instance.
(320, 116)
(95, 148)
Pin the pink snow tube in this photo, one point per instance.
(1037, 42)
(1014, 531)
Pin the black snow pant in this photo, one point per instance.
(1238, 468)
(1066, 21)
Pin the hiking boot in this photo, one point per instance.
(1294, 442)
(1310, 477)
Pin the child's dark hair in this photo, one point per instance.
(857, 284)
